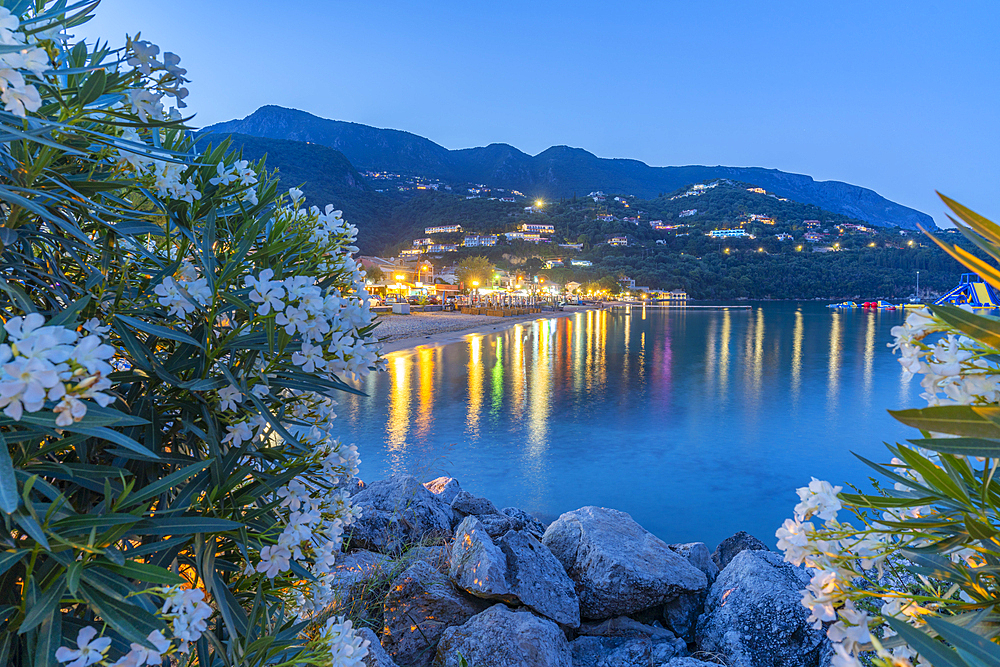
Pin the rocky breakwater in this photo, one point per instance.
(465, 581)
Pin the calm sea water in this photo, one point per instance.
(698, 423)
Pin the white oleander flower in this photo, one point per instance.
(8, 24)
(238, 433)
(140, 655)
(820, 499)
(88, 651)
(144, 57)
(268, 293)
(346, 648)
(146, 104)
(851, 628)
(19, 100)
(229, 397)
(92, 353)
(274, 560)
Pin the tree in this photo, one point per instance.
(375, 274)
(177, 390)
(475, 270)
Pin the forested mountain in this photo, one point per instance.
(559, 171)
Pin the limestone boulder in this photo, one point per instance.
(399, 512)
(623, 626)
(502, 637)
(729, 547)
(539, 580)
(356, 572)
(697, 554)
(754, 615)
(517, 569)
(421, 604)
(377, 657)
(496, 525)
(477, 564)
(438, 556)
(521, 520)
(465, 503)
(624, 652)
(618, 567)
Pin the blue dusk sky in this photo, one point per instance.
(898, 96)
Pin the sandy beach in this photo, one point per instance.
(401, 332)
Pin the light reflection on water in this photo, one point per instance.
(649, 412)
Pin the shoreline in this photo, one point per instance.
(436, 338)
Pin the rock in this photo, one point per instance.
(623, 626)
(681, 614)
(445, 488)
(539, 580)
(438, 556)
(421, 604)
(619, 568)
(624, 652)
(477, 564)
(698, 555)
(496, 525)
(689, 662)
(377, 657)
(354, 573)
(500, 637)
(521, 520)
(754, 615)
(398, 512)
(731, 546)
(466, 503)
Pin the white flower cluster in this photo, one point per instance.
(166, 175)
(19, 96)
(53, 363)
(837, 555)
(241, 173)
(314, 518)
(183, 608)
(341, 641)
(953, 367)
(167, 78)
(327, 323)
(181, 293)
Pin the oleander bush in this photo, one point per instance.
(913, 577)
(175, 331)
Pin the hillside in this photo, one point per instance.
(559, 171)
(325, 176)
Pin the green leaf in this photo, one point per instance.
(9, 559)
(168, 482)
(963, 420)
(960, 446)
(48, 640)
(93, 87)
(31, 527)
(9, 496)
(983, 329)
(232, 612)
(44, 606)
(159, 331)
(968, 641)
(184, 525)
(931, 650)
(130, 621)
(75, 525)
(146, 572)
(112, 436)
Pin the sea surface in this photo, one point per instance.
(697, 422)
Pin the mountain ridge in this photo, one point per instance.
(558, 171)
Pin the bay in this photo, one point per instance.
(697, 422)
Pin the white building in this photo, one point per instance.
(727, 233)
